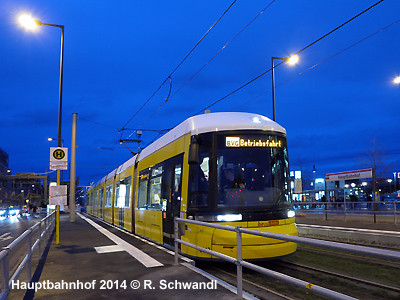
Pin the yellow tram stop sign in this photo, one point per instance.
(58, 158)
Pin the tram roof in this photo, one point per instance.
(213, 122)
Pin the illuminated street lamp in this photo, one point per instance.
(397, 80)
(291, 60)
(390, 186)
(32, 24)
(53, 139)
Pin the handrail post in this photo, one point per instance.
(175, 241)
(40, 240)
(239, 263)
(29, 262)
(46, 224)
(5, 287)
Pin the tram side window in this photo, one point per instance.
(176, 194)
(116, 197)
(109, 191)
(95, 197)
(142, 197)
(123, 193)
(155, 188)
(198, 182)
(166, 184)
(161, 185)
(101, 197)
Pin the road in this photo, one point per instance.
(12, 227)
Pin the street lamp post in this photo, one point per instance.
(291, 60)
(30, 23)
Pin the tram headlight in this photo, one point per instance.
(229, 218)
(290, 214)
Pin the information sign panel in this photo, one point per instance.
(358, 174)
(58, 195)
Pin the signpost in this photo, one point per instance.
(358, 174)
(58, 158)
(58, 161)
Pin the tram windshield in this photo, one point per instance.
(252, 170)
(247, 170)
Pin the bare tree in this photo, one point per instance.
(376, 158)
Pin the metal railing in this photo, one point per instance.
(239, 262)
(384, 209)
(43, 230)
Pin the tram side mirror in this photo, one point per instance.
(194, 153)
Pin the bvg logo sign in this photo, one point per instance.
(59, 154)
(231, 141)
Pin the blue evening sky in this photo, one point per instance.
(117, 54)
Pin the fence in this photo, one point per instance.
(241, 263)
(388, 209)
(43, 230)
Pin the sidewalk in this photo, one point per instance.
(73, 269)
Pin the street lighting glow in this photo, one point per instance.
(28, 22)
(293, 59)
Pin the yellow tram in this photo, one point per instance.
(231, 168)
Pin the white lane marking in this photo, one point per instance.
(142, 257)
(109, 249)
(188, 260)
(4, 237)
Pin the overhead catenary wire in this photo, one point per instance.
(303, 49)
(212, 58)
(243, 29)
(298, 52)
(98, 123)
(321, 62)
(176, 68)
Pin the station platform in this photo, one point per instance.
(97, 261)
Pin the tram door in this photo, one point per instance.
(171, 202)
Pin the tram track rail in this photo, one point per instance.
(258, 290)
(303, 267)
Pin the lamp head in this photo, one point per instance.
(293, 59)
(28, 22)
(397, 80)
